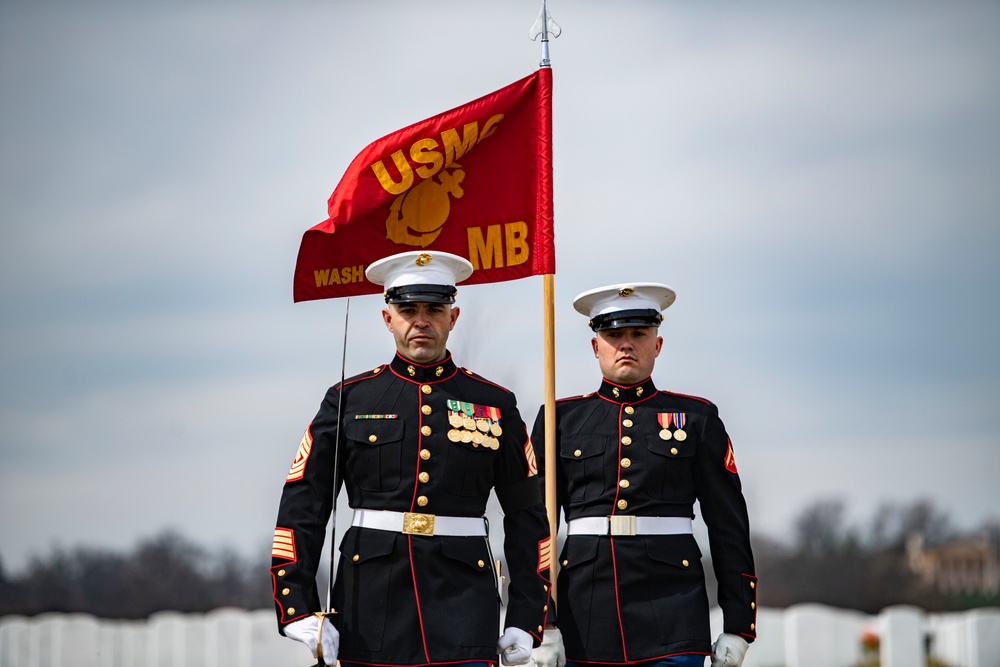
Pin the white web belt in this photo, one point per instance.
(630, 525)
(415, 523)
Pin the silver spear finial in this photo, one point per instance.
(544, 25)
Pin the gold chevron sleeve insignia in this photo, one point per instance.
(283, 545)
(545, 555)
(529, 454)
(298, 468)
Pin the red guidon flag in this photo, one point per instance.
(475, 181)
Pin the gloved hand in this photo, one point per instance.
(306, 629)
(514, 647)
(551, 653)
(728, 651)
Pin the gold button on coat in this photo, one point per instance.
(627, 423)
(673, 450)
(426, 430)
(425, 454)
(578, 453)
(626, 441)
(622, 504)
(624, 483)
(355, 558)
(426, 388)
(422, 501)
(480, 563)
(286, 591)
(629, 409)
(424, 477)
(753, 605)
(753, 626)
(281, 573)
(626, 463)
(685, 563)
(426, 409)
(372, 438)
(565, 562)
(290, 611)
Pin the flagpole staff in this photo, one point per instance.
(544, 26)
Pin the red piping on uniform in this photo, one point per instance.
(420, 443)
(635, 402)
(484, 380)
(416, 597)
(413, 363)
(618, 604)
(694, 398)
(614, 508)
(618, 483)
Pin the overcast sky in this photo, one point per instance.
(819, 182)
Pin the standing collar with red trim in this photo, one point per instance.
(423, 373)
(635, 393)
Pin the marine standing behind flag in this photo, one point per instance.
(422, 443)
(631, 461)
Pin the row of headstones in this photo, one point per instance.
(221, 638)
(813, 635)
(807, 635)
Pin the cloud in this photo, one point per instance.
(817, 182)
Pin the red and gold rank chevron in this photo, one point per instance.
(529, 454)
(298, 468)
(545, 555)
(730, 459)
(283, 545)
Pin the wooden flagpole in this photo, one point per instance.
(551, 508)
(544, 26)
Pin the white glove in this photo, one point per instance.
(551, 653)
(305, 630)
(728, 651)
(514, 647)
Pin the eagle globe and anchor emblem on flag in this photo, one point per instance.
(417, 216)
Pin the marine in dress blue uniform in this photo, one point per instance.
(422, 444)
(632, 460)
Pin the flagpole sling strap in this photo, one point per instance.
(630, 525)
(414, 523)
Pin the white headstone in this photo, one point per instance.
(14, 641)
(983, 637)
(901, 636)
(166, 643)
(821, 636)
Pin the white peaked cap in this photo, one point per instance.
(625, 305)
(428, 276)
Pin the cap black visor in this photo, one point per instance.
(421, 294)
(622, 319)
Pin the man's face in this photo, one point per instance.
(627, 355)
(420, 329)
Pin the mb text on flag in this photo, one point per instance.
(475, 181)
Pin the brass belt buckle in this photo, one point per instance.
(418, 524)
(621, 525)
